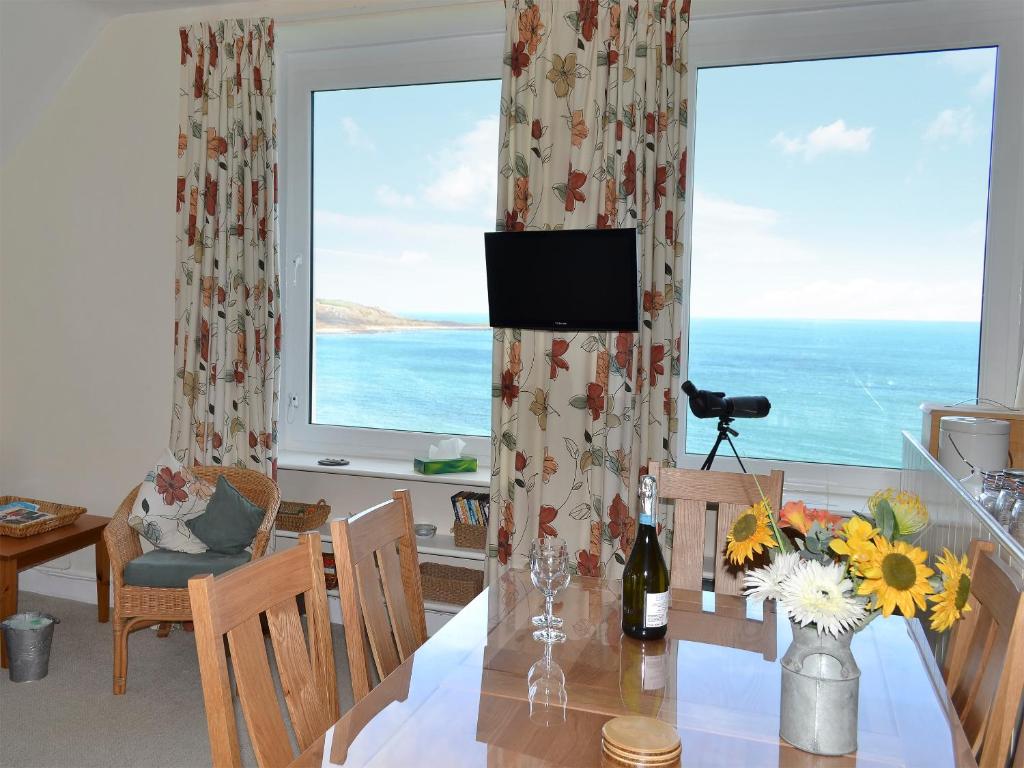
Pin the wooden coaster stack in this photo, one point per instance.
(640, 742)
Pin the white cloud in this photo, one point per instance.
(752, 262)
(834, 137)
(355, 136)
(467, 177)
(952, 125)
(392, 198)
(986, 85)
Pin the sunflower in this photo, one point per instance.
(951, 602)
(857, 545)
(897, 577)
(910, 512)
(750, 534)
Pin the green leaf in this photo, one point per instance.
(641, 50)
(579, 401)
(521, 115)
(572, 19)
(619, 559)
(571, 448)
(509, 440)
(885, 520)
(561, 190)
(522, 167)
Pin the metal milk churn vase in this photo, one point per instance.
(820, 686)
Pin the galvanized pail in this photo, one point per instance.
(28, 637)
(820, 687)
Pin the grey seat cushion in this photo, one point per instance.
(164, 568)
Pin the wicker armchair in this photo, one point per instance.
(137, 607)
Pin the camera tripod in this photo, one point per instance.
(725, 432)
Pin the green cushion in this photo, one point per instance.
(230, 521)
(164, 568)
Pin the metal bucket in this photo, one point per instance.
(820, 688)
(28, 637)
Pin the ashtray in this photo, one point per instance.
(424, 530)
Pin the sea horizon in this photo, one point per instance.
(841, 390)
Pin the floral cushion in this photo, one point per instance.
(168, 497)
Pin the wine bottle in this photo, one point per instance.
(645, 596)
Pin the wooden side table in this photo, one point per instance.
(18, 554)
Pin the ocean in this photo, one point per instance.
(841, 391)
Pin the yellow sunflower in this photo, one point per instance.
(896, 575)
(910, 512)
(856, 544)
(750, 534)
(951, 602)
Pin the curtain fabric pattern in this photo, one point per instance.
(593, 134)
(227, 328)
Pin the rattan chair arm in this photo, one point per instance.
(121, 539)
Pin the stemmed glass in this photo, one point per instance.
(549, 570)
(546, 691)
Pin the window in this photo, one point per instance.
(839, 247)
(404, 184)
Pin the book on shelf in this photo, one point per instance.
(471, 508)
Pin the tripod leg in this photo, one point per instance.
(714, 452)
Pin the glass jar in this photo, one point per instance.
(1017, 517)
(991, 485)
(1005, 501)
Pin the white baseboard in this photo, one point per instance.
(68, 584)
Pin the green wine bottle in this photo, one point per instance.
(645, 596)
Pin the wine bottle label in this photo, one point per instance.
(654, 672)
(656, 609)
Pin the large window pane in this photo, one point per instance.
(403, 188)
(838, 247)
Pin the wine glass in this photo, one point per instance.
(546, 691)
(549, 570)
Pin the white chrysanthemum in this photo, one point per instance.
(821, 595)
(766, 583)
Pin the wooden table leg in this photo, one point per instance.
(102, 581)
(8, 598)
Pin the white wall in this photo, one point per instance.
(87, 263)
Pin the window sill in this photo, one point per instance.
(393, 469)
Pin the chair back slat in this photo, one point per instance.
(379, 583)
(256, 693)
(390, 564)
(230, 606)
(376, 618)
(984, 664)
(728, 577)
(695, 493)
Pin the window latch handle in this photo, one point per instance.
(296, 263)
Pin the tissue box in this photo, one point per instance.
(444, 466)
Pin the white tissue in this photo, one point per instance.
(447, 449)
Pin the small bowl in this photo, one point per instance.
(424, 530)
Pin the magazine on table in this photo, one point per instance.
(22, 513)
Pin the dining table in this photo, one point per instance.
(464, 697)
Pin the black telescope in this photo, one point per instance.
(715, 405)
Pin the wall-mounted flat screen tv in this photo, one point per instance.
(563, 280)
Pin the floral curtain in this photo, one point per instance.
(227, 328)
(594, 111)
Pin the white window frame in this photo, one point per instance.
(734, 32)
(406, 47)
(466, 41)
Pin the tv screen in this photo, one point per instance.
(563, 280)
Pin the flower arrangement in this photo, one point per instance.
(838, 573)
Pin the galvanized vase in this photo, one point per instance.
(820, 686)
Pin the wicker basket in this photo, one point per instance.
(64, 514)
(449, 584)
(470, 536)
(302, 516)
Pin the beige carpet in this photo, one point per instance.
(72, 719)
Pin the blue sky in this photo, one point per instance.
(850, 188)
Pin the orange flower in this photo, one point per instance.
(602, 368)
(522, 196)
(515, 363)
(550, 465)
(579, 127)
(796, 515)
(595, 400)
(530, 28)
(558, 348)
(544, 522)
(573, 189)
(588, 564)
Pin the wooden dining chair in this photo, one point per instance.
(379, 583)
(984, 664)
(725, 494)
(230, 606)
